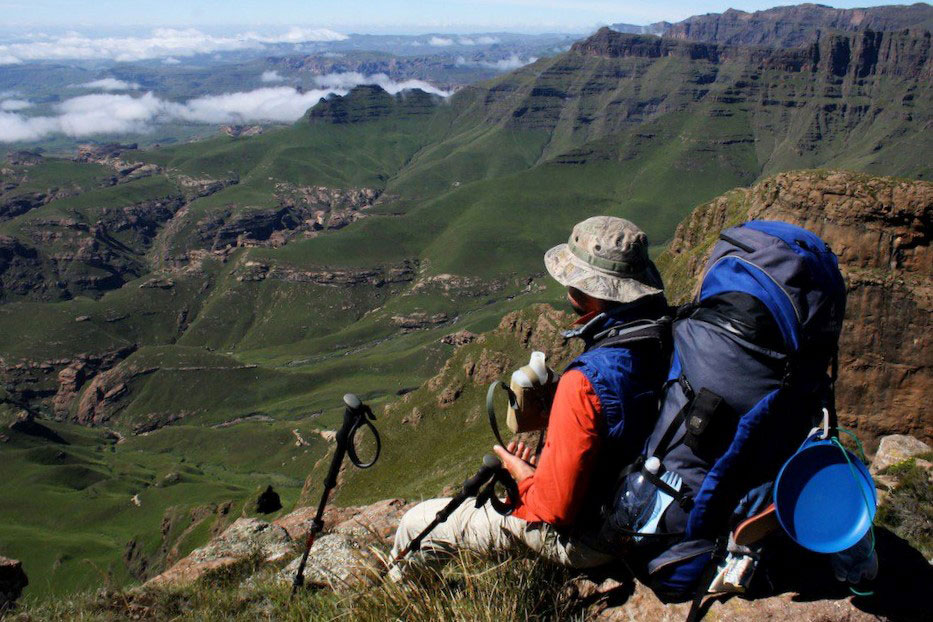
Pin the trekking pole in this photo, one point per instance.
(355, 416)
(490, 473)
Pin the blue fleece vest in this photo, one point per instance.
(627, 382)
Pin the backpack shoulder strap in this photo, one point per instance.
(637, 332)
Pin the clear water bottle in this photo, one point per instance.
(636, 503)
(857, 563)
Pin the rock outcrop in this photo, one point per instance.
(793, 26)
(336, 557)
(881, 229)
(895, 449)
(300, 211)
(245, 537)
(12, 582)
(371, 102)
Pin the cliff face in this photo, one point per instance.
(371, 102)
(881, 229)
(843, 101)
(860, 55)
(792, 26)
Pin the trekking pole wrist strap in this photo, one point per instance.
(490, 407)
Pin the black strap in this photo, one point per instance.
(706, 579)
(831, 402)
(490, 408)
(731, 240)
(639, 331)
(676, 423)
(681, 497)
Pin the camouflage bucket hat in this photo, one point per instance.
(607, 258)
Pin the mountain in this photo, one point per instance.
(178, 325)
(797, 25)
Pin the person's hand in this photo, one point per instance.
(518, 459)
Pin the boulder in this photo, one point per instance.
(344, 557)
(245, 537)
(268, 501)
(381, 518)
(12, 581)
(336, 560)
(897, 448)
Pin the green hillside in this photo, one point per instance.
(154, 294)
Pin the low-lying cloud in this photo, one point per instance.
(483, 40)
(440, 41)
(113, 113)
(12, 105)
(347, 80)
(167, 43)
(271, 76)
(110, 84)
(503, 64)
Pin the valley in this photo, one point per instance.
(178, 323)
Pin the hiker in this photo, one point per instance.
(604, 408)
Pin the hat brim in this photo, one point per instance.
(571, 271)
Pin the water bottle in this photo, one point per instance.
(636, 503)
(856, 563)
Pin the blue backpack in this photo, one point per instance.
(748, 380)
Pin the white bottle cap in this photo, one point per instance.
(519, 379)
(537, 363)
(653, 465)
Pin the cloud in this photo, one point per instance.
(16, 128)
(440, 42)
(171, 60)
(503, 64)
(349, 79)
(271, 76)
(113, 113)
(162, 43)
(12, 105)
(484, 40)
(299, 35)
(282, 104)
(110, 84)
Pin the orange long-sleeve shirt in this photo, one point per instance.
(556, 491)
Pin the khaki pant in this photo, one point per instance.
(483, 529)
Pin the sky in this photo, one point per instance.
(368, 16)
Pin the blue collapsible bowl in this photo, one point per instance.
(823, 502)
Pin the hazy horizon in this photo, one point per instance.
(393, 17)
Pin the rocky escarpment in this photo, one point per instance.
(377, 277)
(57, 383)
(881, 228)
(861, 54)
(301, 211)
(793, 26)
(850, 98)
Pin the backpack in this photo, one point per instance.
(747, 382)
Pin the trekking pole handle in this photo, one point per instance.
(362, 416)
(471, 488)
